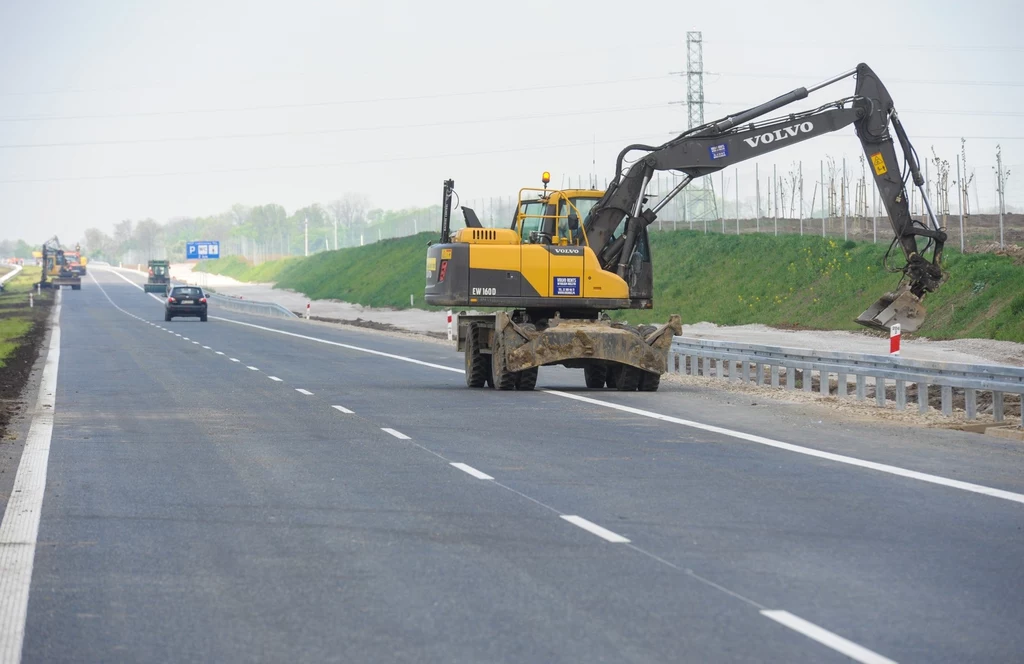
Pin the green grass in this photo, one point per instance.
(786, 281)
(241, 269)
(16, 320)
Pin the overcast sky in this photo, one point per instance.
(114, 110)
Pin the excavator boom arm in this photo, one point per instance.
(738, 138)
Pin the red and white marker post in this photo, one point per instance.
(894, 339)
(449, 325)
(307, 311)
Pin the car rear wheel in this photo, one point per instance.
(167, 317)
(202, 318)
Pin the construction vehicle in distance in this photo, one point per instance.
(76, 261)
(561, 271)
(57, 272)
(159, 279)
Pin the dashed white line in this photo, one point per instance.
(343, 410)
(234, 359)
(196, 342)
(274, 378)
(473, 471)
(176, 334)
(302, 391)
(252, 368)
(826, 638)
(206, 348)
(184, 338)
(595, 529)
(219, 352)
(397, 434)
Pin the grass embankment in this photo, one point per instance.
(237, 267)
(17, 319)
(790, 281)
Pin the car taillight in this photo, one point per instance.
(170, 300)
(202, 300)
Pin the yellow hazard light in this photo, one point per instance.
(546, 177)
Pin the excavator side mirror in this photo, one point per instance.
(574, 221)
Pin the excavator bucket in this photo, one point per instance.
(896, 307)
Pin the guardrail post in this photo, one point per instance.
(775, 374)
(901, 395)
(997, 406)
(947, 400)
(861, 390)
(705, 368)
(806, 377)
(746, 371)
(880, 391)
(971, 403)
(823, 382)
(922, 397)
(790, 378)
(841, 385)
(759, 374)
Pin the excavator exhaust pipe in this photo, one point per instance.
(896, 307)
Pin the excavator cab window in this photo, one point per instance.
(531, 214)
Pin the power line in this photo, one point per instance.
(251, 169)
(321, 132)
(327, 104)
(933, 111)
(890, 80)
(914, 47)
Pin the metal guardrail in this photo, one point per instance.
(249, 306)
(10, 275)
(799, 367)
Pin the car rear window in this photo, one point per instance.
(187, 292)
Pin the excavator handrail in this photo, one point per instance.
(546, 195)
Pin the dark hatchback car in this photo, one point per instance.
(185, 301)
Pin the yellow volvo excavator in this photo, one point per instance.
(570, 256)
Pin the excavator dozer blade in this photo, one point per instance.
(899, 306)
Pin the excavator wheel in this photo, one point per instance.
(595, 376)
(526, 379)
(502, 378)
(627, 379)
(649, 381)
(478, 365)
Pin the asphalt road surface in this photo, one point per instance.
(252, 489)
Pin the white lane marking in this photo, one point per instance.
(472, 471)
(234, 359)
(397, 434)
(176, 334)
(343, 410)
(184, 339)
(19, 530)
(274, 378)
(839, 458)
(789, 447)
(341, 345)
(252, 368)
(129, 281)
(196, 342)
(219, 352)
(595, 529)
(827, 638)
(302, 391)
(206, 348)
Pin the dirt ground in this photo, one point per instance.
(14, 375)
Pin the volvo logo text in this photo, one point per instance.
(779, 134)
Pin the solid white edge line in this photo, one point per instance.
(851, 461)
(19, 530)
(343, 410)
(789, 447)
(274, 378)
(302, 391)
(397, 434)
(595, 529)
(826, 638)
(466, 468)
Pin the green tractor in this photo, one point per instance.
(159, 277)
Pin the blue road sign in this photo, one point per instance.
(202, 249)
